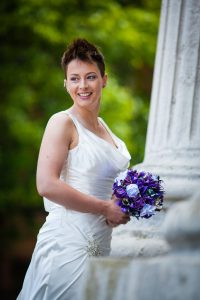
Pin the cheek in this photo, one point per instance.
(71, 93)
(99, 88)
(71, 89)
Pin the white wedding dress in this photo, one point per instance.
(68, 238)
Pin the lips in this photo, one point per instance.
(84, 94)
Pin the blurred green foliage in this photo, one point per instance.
(33, 37)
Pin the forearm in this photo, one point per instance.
(63, 194)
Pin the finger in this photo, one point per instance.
(124, 222)
(113, 197)
(127, 214)
(127, 219)
(111, 224)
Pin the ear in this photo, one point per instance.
(65, 83)
(105, 78)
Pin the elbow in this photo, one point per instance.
(43, 188)
(41, 192)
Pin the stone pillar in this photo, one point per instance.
(173, 138)
(176, 275)
(173, 151)
(173, 135)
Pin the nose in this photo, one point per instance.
(83, 84)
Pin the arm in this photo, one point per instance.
(59, 135)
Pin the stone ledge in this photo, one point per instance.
(143, 238)
(172, 277)
(126, 246)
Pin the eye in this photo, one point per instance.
(92, 77)
(74, 79)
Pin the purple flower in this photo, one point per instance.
(120, 192)
(124, 210)
(132, 190)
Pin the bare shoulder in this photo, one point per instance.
(61, 119)
(61, 129)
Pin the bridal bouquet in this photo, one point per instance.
(139, 193)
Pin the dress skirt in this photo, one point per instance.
(64, 243)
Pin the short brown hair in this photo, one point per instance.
(83, 50)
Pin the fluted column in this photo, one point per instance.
(173, 151)
(173, 135)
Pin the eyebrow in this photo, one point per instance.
(74, 74)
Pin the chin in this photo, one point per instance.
(88, 103)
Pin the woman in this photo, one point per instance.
(78, 161)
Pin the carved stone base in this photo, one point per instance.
(139, 238)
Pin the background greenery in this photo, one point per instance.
(33, 36)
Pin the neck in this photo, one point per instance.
(89, 118)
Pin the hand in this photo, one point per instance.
(114, 215)
(113, 224)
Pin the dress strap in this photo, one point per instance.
(113, 136)
(76, 123)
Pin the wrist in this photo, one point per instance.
(104, 208)
(99, 206)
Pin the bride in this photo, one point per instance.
(78, 161)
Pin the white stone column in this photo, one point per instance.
(173, 151)
(173, 138)
(173, 135)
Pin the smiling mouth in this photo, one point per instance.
(84, 94)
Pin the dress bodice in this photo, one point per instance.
(93, 164)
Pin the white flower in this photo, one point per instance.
(155, 177)
(148, 210)
(120, 177)
(132, 190)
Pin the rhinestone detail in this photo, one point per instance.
(93, 248)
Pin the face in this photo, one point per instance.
(84, 83)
